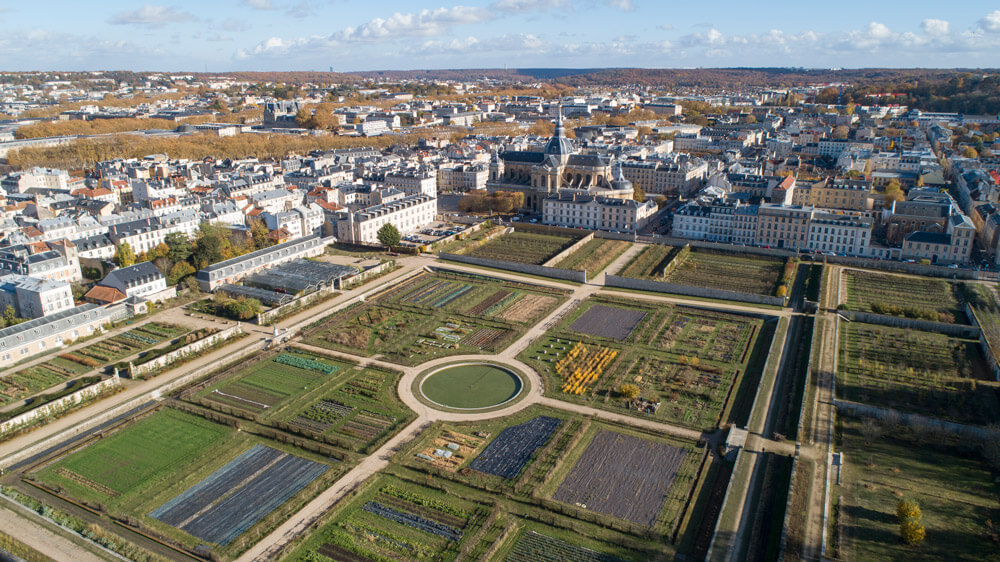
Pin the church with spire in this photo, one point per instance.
(557, 170)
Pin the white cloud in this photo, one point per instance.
(937, 28)
(151, 16)
(624, 5)
(259, 4)
(991, 22)
(504, 44)
(665, 27)
(519, 6)
(423, 24)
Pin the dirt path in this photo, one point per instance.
(48, 541)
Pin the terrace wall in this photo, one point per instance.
(193, 347)
(563, 254)
(365, 275)
(57, 406)
(663, 287)
(530, 269)
(858, 410)
(300, 302)
(984, 344)
(628, 237)
(955, 330)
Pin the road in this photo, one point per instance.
(46, 538)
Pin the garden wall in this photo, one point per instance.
(544, 271)
(955, 330)
(563, 254)
(365, 275)
(267, 316)
(626, 236)
(916, 420)
(984, 344)
(662, 287)
(193, 347)
(57, 406)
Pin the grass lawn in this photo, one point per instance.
(471, 386)
(649, 263)
(109, 470)
(904, 295)
(913, 371)
(955, 491)
(523, 247)
(594, 256)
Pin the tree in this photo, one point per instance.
(970, 152)
(991, 445)
(893, 191)
(870, 430)
(179, 271)
(389, 235)
(9, 315)
(179, 246)
(629, 391)
(841, 132)
(638, 194)
(124, 256)
(912, 532)
(909, 515)
(259, 234)
(908, 509)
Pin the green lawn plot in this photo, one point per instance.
(393, 519)
(21, 384)
(437, 315)
(263, 387)
(956, 492)
(920, 372)
(127, 343)
(468, 240)
(116, 470)
(904, 295)
(741, 273)
(523, 247)
(637, 479)
(358, 411)
(987, 315)
(688, 363)
(594, 256)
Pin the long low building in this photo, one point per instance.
(235, 269)
(50, 332)
(408, 214)
(597, 213)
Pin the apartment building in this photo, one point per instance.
(597, 213)
(407, 214)
(783, 226)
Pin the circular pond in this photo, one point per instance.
(471, 386)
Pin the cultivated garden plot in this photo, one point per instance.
(608, 321)
(523, 247)
(436, 315)
(25, 382)
(507, 455)
(359, 412)
(594, 256)
(686, 363)
(920, 372)
(536, 547)
(624, 476)
(233, 498)
(395, 520)
(741, 273)
(905, 295)
(263, 387)
(945, 475)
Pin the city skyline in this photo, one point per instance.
(272, 35)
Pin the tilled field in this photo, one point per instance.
(623, 476)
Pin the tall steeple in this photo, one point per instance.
(559, 145)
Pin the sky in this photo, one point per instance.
(347, 35)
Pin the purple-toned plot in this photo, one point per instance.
(608, 321)
(230, 500)
(623, 476)
(513, 448)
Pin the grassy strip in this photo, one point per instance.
(766, 385)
